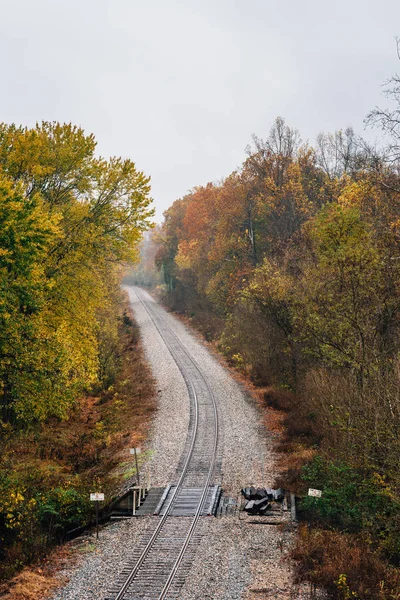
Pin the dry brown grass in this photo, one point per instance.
(278, 398)
(29, 585)
(345, 565)
(39, 581)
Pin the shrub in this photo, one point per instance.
(354, 501)
(280, 399)
(344, 565)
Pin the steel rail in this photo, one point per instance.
(193, 395)
(211, 469)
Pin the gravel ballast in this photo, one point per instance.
(236, 559)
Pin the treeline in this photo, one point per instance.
(292, 264)
(69, 220)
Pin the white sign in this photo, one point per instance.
(315, 493)
(133, 450)
(96, 497)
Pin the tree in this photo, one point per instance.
(341, 294)
(340, 153)
(69, 220)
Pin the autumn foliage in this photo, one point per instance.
(291, 264)
(69, 220)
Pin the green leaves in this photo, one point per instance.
(353, 500)
(67, 220)
(341, 292)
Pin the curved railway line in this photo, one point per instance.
(158, 571)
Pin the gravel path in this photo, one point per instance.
(235, 559)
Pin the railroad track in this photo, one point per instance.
(158, 570)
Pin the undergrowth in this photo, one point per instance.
(48, 472)
(348, 542)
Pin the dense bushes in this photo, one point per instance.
(35, 515)
(353, 501)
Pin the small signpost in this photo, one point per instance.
(314, 493)
(136, 451)
(97, 497)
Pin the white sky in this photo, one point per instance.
(179, 86)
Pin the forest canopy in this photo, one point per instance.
(291, 264)
(68, 220)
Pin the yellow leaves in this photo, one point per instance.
(76, 338)
(342, 585)
(395, 226)
(16, 497)
(11, 503)
(380, 481)
(353, 194)
(237, 359)
(49, 152)
(27, 228)
(187, 255)
(67, 221)
(101, 435)
(269, 283)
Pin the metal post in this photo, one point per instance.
(137, 468)
(134, 502)
(97, 520)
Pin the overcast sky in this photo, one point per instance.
(180, 86)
